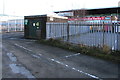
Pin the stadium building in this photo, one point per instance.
(92, 14)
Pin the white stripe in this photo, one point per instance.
(35, 56)
(90, 75)
(72, 55)
(22, 47)
(40, 54)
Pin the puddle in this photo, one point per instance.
(18, 68)
(21, 70)
(12, 57)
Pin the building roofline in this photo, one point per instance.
(47, 15)
(87, 9)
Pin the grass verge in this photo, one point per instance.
(103, 53)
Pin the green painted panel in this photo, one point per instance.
(33, 27)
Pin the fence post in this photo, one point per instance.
(103, 33)
(67, 31)
(21, 25)
(15, 25)
(8, 26)
(118, 47)
(117, 36)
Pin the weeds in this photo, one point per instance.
(104, 52)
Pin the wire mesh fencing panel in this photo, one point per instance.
(96, 34)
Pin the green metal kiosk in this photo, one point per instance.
(35, 26)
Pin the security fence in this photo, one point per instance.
(11, 24)
(87, 33)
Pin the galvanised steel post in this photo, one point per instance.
(8, 25)
(15, 25)
(117, 36)
(67, 31)
(103, 33)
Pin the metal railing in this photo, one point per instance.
(11, 24)
(87, 33)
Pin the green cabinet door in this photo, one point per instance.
(34, 27)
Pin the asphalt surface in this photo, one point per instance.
(25, 58)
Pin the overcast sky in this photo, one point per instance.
(37, 7)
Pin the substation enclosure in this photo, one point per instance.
(35, 26)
